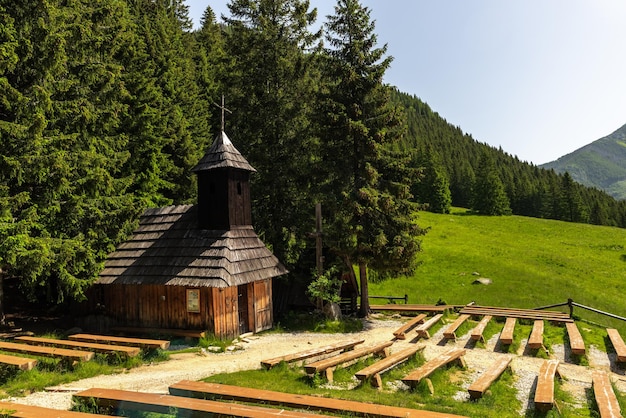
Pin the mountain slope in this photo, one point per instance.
(601, 164)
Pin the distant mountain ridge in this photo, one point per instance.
(601, 164)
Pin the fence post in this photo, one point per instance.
(570, 303)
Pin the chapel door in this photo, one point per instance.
(244, 325)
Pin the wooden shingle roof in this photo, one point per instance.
(223, 154)
(168, 249)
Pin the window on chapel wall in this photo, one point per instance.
(193, 300)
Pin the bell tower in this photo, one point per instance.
(223, 187)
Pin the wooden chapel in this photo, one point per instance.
(198, 267)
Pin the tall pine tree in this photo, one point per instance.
(365, 188)
(270, 90)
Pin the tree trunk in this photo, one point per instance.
(365, 304)
(2, 318)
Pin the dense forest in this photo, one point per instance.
(107, 104)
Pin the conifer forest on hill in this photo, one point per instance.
(108, 104)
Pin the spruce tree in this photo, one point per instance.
(270, 86)
(489, 197)
(365, 188)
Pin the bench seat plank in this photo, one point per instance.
(605, 397)
(98, 348)
(323, 365)
(480, 385)
(422, 330)
(76, 355)
(303, 355)
(544, 394)
(400, 333)
(353, 408)
(110, 339)
(618, 344)
(426, 369)
(536, 336)
(21, 363)
(374, 370)
(450, 332)
(163, 404)
(477, 332)
(506, 337)
(17, 410)
(576, 342)
(187, 333)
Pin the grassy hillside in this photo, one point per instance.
(532, 262)
(599, 164)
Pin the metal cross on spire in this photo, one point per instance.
(223, 107)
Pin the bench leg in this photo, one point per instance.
(377, 382)
(329, 374)
(461, 363)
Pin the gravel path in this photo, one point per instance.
(157, 377)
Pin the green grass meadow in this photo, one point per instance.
(532, 263)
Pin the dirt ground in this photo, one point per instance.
(157, 377)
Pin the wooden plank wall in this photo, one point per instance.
(166, 307)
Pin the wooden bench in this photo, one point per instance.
(480, 385)
(73, 355)
(132, 342)
(450, 332)
(95, 347)
(477, 332)
(553, 316)
(164, 404)
(536, 336)
(506, 336)
(11, 409)
(21, 363)
(187, 333)
(400, 333)
(605, 397)
(618, 344)
(328, 365)
(544, 394)
(576, 342)
(425, 370)
(352, 408)
(374, 371)
(422, 330)
(303, 355)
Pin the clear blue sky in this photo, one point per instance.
(540, 78)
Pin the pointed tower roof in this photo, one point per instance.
(222, 154)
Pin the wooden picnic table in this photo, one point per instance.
(75, 355)
(339, 406)
(187, 333)
(95, 347)
(110, 339)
